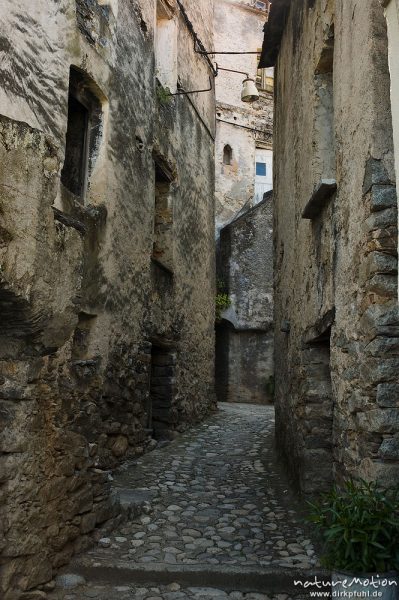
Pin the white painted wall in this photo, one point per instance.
(166, 49)
(238, 27)
(263, 164)
(392, 15)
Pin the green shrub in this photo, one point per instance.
(359, 526)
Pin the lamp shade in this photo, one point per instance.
(249, 91)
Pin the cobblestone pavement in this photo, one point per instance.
(170, 592)
(216, 497)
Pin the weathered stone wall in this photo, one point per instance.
(244, 337)
(243, 130)
(392, 17)
(81, 300)
(337, 358)
(244, 364)
(238, 27)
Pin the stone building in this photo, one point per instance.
(243, 131)
(107, 258)
(243, 165)
(392, 17)
(337, 336)
(244, 337)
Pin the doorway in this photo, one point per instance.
(162, 415)
(317, 468)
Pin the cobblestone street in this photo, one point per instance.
(215, 505)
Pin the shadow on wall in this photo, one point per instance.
(244, 365)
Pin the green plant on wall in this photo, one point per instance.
(163, 94)
(222, 300)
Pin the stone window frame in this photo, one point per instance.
(323, 135)
(165, 177)
(83, 89)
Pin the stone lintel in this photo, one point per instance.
(318, 200)
(322, 325)
(69, 221)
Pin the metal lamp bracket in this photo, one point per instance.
(182, 92)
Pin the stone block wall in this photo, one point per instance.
(244, 336)
(244, 366)
(82, 302)
(336, 308)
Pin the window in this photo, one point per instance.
(264, 77)
(261, 169)
(75, 165)
(84, 128)
(227, 155)
(323, 138)
(162, 251)
(262, 5)
(166, 46)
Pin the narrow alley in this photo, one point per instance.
(218, 517)
(199, 317)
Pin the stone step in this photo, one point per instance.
(268, 580)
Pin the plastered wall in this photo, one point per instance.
(242, 126)
(81, 299)
(336, 274)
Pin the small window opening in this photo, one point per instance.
(262, 5)
(323, 133)
(163, 217)
(264, 77)
(261, 169)
(227, 155)
(75, 165)
(84, 129)
(166, 46)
